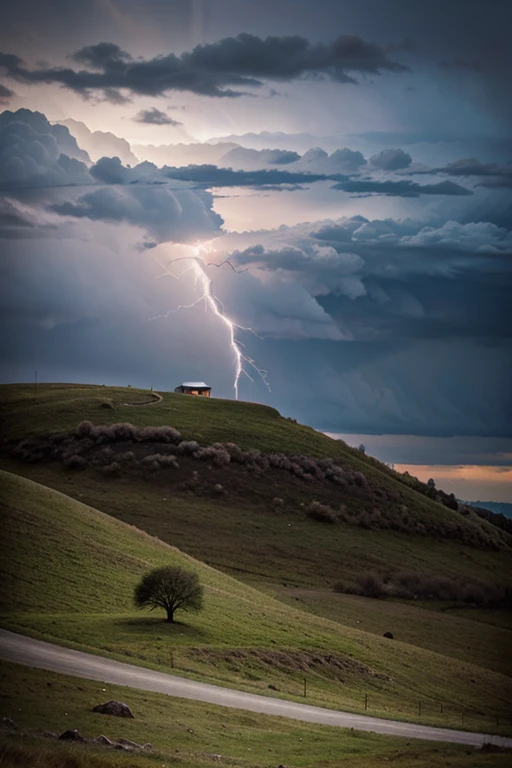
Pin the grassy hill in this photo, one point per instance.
(259, 521)
(68, 574)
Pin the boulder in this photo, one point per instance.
(389, 635)
(71, 735)
(104, 741)
(116, 708)
(130, 744)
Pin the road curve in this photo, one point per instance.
(35, 653)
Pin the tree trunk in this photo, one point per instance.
(170, 615)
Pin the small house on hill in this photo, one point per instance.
(194, 388)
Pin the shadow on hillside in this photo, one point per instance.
(146, 625)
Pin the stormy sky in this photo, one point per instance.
(339, 174)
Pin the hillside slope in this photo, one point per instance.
(68, 575)
(269, 511)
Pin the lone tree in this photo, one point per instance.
(170, 588)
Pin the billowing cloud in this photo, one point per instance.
(213, 69)
(100, 143)
(32, 152)
(391, 160)
(155, 116)
(177, 216)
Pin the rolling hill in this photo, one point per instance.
(68, 576)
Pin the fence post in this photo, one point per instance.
(305, 694)
(365, 702)
(419, 708)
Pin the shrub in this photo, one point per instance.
(74, 461)
(369, 585)
(84, 429)
(321, 512)
(188, 447)
(218, 455)
(235, 452)
(112, 470)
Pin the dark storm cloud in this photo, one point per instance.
(155, 116)
(167, 215)
(5, 94)
(212, 176)
(249, 159)
(391, 160)
(107, 56)
(398, 280)
(212, 69)
(401, 188)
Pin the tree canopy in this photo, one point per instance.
(171, 588)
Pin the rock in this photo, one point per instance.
(6, 722)
(104, 740)
(71, 735)
(147, 747)
(272, 687)
(128, 743)
(388, 634)
(116, 708)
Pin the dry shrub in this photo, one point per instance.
(74, 461)
(112, 470)
(188, 447)
(158, 435)
(218, 455)
(236, 453)
(365, 584)
(321, 512)
(84, 429)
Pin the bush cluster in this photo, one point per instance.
(409, 585)
(123, 447)
(124, 431)
(399, 519)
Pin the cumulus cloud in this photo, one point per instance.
(213, 69)
(391, 160)
(155, 116)
(32, 152)
(100, 143)
(64, 141)
(178, 216)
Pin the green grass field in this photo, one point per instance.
(69, 573)
(190, 734)
(443, 631)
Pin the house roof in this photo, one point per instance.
(196, 384)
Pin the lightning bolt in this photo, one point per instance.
(197, 268)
